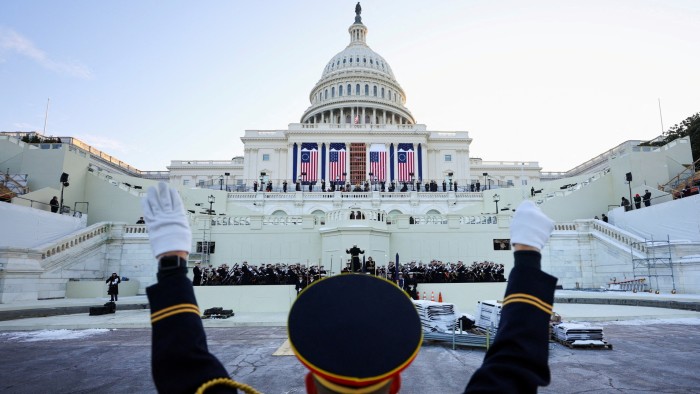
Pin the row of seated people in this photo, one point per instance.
(292, 274)
(264, 274)
(437, 271)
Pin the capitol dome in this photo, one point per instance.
(357, 87)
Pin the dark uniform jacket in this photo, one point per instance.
(517, 362)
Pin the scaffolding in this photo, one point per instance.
(658, 263)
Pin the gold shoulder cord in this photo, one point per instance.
(227, 382)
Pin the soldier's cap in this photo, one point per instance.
(328, 322)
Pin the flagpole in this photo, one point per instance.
(46, 114)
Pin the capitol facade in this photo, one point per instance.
(356, 170)
(358, 135)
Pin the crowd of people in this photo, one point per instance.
(301, 275)
(366, 186)
(251, 274)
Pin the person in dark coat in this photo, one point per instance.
(370, 266)
(113, 289)
(626, 204)
(197, 274)
(284, 186)
(355, 253)
(300, 284)
(516, 362)
(647, 198)
(637, 201)
(54, 204)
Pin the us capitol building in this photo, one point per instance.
(356, 170)
(356, 131)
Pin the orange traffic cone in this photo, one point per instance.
(440, 297)
(423, 296)
(432, 296)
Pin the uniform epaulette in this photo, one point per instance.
(174, 310)
(528, 299)
(226, 382)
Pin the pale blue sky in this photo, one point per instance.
(557, 82)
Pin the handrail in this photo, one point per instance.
(676, 180)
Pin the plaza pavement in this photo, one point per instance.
(654, 349)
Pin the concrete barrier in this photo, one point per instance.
(98, 288)
(279, 298)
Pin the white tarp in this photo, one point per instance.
(678, 220)
(25, 227)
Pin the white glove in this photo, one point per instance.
(530, 226)
(167, 225)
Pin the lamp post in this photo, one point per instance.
(369, 174)
(496, 199)
(485, 175)
(64, 183)
(337, 182)
(221, 182)
(375, 183)
(226, 183)
(211, 200)
(413, 183)
(449, 175)
(628, 178)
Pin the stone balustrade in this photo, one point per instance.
(73, 240)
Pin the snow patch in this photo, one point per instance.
(52, 335)
(690, 321)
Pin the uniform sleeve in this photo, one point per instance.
(517, 362)
(181, 362)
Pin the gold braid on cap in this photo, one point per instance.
(226, 382)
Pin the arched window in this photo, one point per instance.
(375, 90)
(349, 90)
(326, 94)
(344, 61)
(366, 90)
(357, 89)
(364, 60)
(350, 60)
(333, 92)
(340, 91)
(382, 92)
(370, 61)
